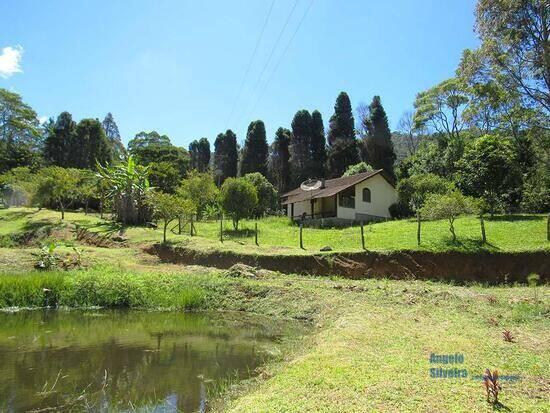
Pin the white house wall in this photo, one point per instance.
(383, 194)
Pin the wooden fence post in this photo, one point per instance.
(362, 236)
(301, 240)
(191, 225)
(221, 227)
(418, 228)
(548, 227)
(483, 235)
(256, 234)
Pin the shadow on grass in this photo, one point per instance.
(239, 233)
(106, 227)
(499, 407)
(516, 217)
(14, 215)
(465, 244)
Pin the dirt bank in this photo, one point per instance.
(487, 267)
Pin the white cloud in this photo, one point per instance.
(10, 59)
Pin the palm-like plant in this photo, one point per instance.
(127, 186)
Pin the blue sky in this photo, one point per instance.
(176, 66)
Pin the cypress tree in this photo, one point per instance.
(317, 146)
(279, 160)
(226, 156)
(113, 136)
(60, 141)
(341, 124)
(300, 147)
(343, 150)
(200, 154)
(255, 151)
(379, 150)
(92, 145)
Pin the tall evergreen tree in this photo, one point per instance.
(317, 146)
(341, 124)
(343, 149)
(200, 154)
(379, 150)
(91, 145)
(113, 136)
(226, 156)
(255, 151)
(300, 159)
(60, 142)
(279, 160)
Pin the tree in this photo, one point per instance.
(489, 170)
(341, 124)
(113, 136)
(127, 186)
(167, 207)
(317, 146)
(238, 199)
(279, 160)
(19, 132)
(378, 144)
(267, 196)
(200, 154)
(199, 188)
(59, 187)
(514, 36)
(255, 150)
(448, 206)
(226, 156)
(152, 147)
(300, 147)
(407, 128)
(358, 168)
(413, 191)
(60, 143)
(91, 145)
(87, 189)
(341, 154)
(343, 149)
(164, 176)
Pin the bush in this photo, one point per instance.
(399, 210)
(413, 191)
(238, 199)
(267, 195)
(358, 168)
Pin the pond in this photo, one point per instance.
(129, 360)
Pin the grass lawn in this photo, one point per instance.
(370, 343)
(277, 236)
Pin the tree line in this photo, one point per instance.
(483, 133)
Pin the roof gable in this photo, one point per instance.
(332, 187)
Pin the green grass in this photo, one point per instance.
(99, 287)
(277, 235)
(371, 339)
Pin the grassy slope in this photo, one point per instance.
(277, 236)
(371, 345)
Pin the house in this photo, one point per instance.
(362, 197)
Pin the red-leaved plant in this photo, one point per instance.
(508, 336)
(492, 386)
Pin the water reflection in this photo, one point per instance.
(127, 361)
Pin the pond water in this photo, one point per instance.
(102, 361)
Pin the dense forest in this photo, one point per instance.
(484, 132)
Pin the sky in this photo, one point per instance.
(192, 69)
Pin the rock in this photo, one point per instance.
(326, 248)
(119, 238)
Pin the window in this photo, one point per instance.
(366, 195)
(347, 198)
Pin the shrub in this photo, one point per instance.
(448, 206)
(267, 195)
(413, 191)
(399, 210)
(358, 168)
(238, 199)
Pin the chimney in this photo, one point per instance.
(322, 183)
